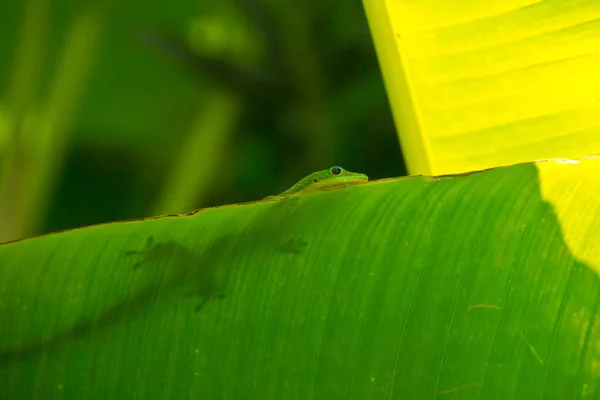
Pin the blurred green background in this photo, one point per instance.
(119, 110)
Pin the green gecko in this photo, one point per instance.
(321, 180)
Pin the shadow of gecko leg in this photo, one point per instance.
(187, 267)
(204, 301)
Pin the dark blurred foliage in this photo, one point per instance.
(306, 75)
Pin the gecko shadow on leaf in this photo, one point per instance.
(168, 269)
(187, 267)
(178, 266)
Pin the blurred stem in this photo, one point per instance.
(39, 156)
(21, 95)
(28, 60)
(202, 150)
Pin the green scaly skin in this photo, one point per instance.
(327, 179)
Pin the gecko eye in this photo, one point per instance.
(315, 181)
(336, 170)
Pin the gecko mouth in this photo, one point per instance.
(357, 179)
(347, 182)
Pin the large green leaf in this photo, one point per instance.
(405, 288)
